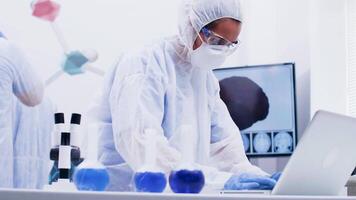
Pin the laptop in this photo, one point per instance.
(323, 160)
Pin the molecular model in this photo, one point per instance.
(75, 61)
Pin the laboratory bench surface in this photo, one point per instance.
(13, 194)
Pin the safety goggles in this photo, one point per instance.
(215, 39)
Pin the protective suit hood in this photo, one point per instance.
(195, 14)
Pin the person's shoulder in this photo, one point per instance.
(4, 46)
(9, 50)
(148, 60)
(11, 56)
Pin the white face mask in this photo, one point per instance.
(209, 56)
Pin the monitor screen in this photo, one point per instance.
(261, 102)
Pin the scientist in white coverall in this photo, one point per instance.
(168, 85)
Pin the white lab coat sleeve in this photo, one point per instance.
(226, 150)
(6, 127)
(26, 84)
(137, 103)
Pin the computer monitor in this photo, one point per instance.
(262, 102)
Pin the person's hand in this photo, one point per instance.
(250, 182)
(276, 176)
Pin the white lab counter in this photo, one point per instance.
(12, 194)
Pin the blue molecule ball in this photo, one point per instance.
(186, 181)
(89, 179)
(150, 182)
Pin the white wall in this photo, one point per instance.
(333, 74)
(274, 31)
(328, 53)
(351, 54)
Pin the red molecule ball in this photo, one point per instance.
(46, 10)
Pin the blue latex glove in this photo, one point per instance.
(250, 182)
(2, 35)
(276, 176)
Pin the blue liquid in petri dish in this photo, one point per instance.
(89, 179)
(186, 181)
(150, 182)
